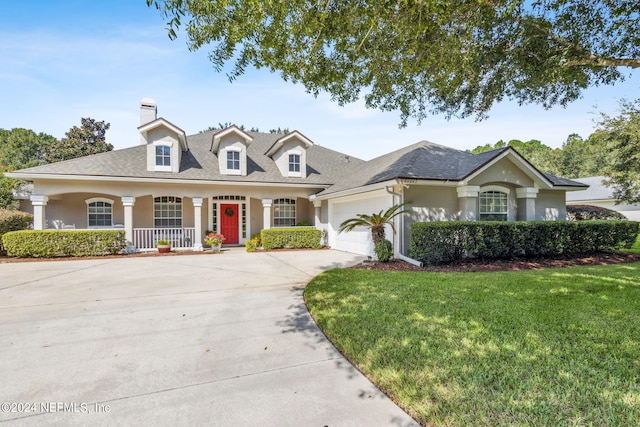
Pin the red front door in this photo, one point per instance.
(229, 223)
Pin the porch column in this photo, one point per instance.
(197, 219)
(39, 203)
(526, 203)
(468, 202)
(266, 214)
(127, 203)
(317, 204)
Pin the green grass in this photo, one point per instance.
(636, 247)
(554, 347)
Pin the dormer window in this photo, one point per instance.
(289, 152)
(231, 145)
(163, 157)
(233, 162)
(294, 164)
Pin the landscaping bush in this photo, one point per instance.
(444, 242)
(384, 250)
(61, 243)
(274, 238)
(588, 212)
(11, 220)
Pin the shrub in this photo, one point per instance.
(60, 243)
(274, 238)
(251, 245)
(11, 220)
(443, 242)
(588, 212)
(384, 250)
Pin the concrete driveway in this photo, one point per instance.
(222, 340)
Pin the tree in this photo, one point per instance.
(375, 222)
(81, 141)
(622, 132)
(19, 148)
(456, 58)
(581, 158)
(540, 155)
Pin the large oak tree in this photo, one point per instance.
(419, 57)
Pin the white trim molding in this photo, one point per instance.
(526, 193)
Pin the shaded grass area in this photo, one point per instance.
(545, 347)
(636, 247)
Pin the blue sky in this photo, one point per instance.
(64, 60)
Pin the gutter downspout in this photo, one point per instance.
(401, 244)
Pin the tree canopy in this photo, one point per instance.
(81, 141)
(622, 134)
(424, 57)
(23, 148)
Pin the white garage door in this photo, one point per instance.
(359, 240)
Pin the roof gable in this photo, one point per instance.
(295, 135)
(233, 129)
(161, 122)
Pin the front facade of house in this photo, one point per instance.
(175, 187)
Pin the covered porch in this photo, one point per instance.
(183, 220)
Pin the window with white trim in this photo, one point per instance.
(167, 212)
(493, 206)
(284, 213)
(233, 161)
(294, 163)
(163, 155)
(99, 213)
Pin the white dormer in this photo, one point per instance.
(230, 145)
(165, 141)
(290, 154)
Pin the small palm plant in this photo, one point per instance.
(376, 222)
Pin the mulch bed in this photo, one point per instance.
(474, 265)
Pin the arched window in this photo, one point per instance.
(99, 213)
(284, 213)
(167, 212)
(494, 206)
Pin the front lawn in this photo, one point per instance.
(636, 247)
(539, 347)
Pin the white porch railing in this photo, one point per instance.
(180, 238)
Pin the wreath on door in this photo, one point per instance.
(229, 212)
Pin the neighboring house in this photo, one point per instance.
(599, 194)
(235, 182)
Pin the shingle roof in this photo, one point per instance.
(324, 166)
(597, 190)
(424, 160)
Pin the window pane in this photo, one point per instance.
(99, 214)
(493, 206)
(167, 212)
(284, 213)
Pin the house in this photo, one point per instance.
(600, 195)
(176, 186)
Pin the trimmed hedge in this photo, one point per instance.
(444, 242)
(11, 220)
(589, 212)
(295, 237)
(62, 243)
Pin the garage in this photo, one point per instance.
(359, 240)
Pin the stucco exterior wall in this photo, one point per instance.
(232, 142)
(72, 210)
(503, 171)
(281, 157)
(550, 205)
(163, 136)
